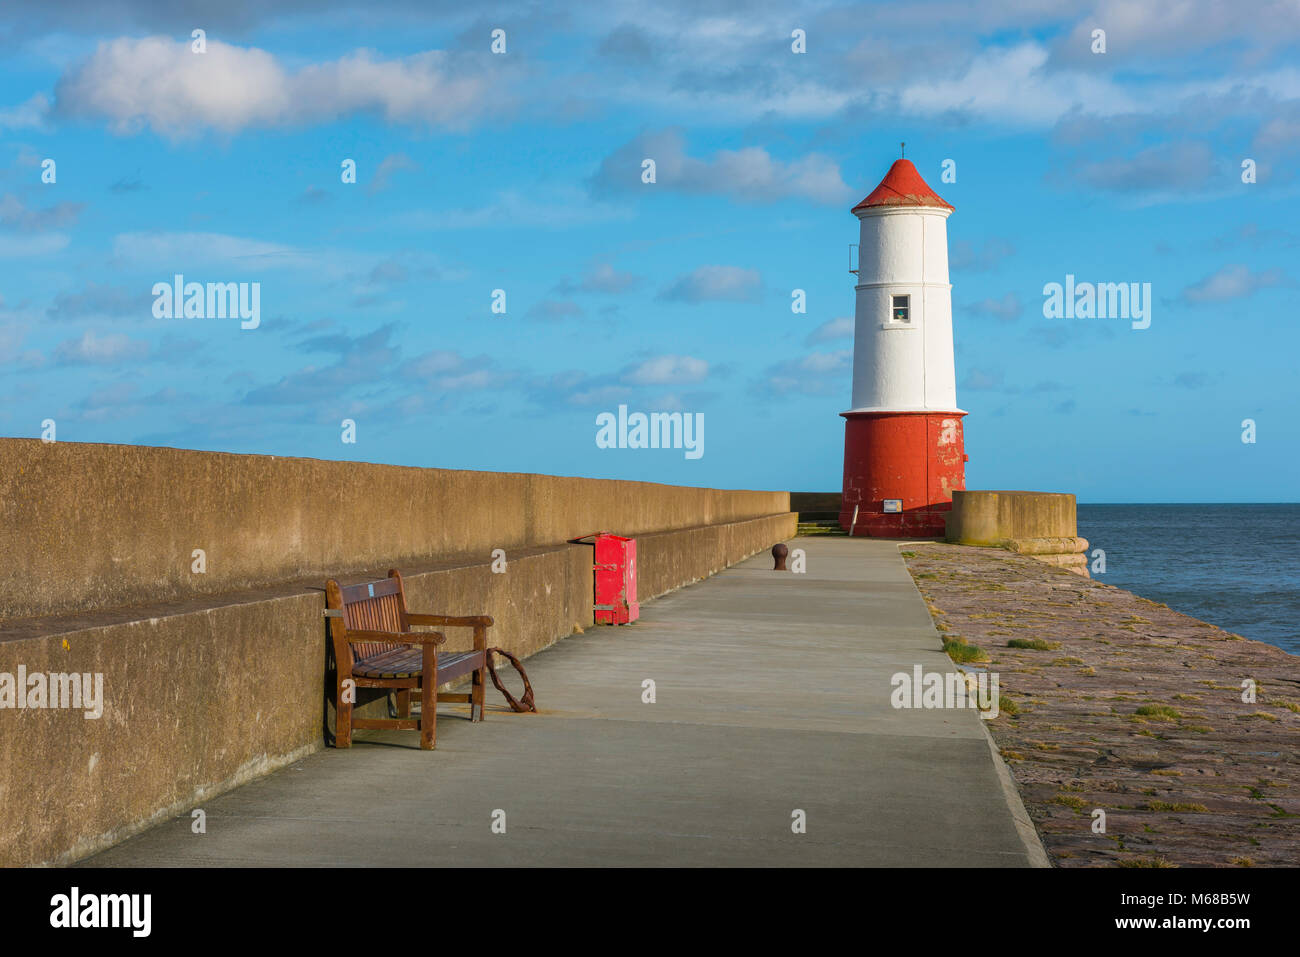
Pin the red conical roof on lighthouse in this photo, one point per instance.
(903, 186)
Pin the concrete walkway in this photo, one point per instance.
(772, 694)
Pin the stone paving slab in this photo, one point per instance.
(1128, 707)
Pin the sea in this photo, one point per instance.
(1235, 566)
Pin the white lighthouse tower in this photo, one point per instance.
(903, 448)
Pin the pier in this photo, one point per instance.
(771, 697)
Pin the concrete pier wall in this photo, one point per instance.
(98, 526)
(211, 679)
(1042, 525)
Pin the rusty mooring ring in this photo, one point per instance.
(527, 704)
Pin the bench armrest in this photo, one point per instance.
(396, 637)
(480, 624)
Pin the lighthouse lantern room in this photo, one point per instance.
(903, 448)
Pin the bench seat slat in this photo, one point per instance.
(405, 661)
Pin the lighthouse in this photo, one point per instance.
(903, 449)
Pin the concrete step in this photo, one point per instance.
(820, 528)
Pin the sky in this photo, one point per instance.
(522, 171)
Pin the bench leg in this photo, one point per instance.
(404, 703)
(476, 696)
(342, 719)
(429, 700)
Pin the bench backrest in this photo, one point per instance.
(370, 606)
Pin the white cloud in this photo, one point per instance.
(437, 362)
(715, 284)
(1177, 166)
(92, 349)
(1007, 308)
(177, 251)
(561, 209)
(15, 214)
(1144, 32)
(820, 362)
(99, 301)
(605, 395)
(1012, 84)
(393, 163)
(161, 83)
(750, 173)
(668, 370)
(603, 277)
(555, 309)
(830, 330)
(443, 370)
(818, 373)
(29, 115)
(734, 65)
(44, 244)
(1232, 282)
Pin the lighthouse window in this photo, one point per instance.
(902, 310)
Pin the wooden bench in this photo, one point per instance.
(374, 647)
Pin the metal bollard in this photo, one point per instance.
(779, 551)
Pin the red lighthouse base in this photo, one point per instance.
(907, 462)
